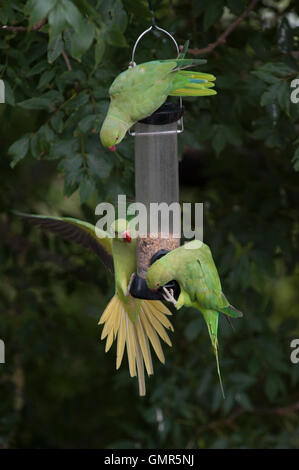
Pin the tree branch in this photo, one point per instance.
(17, 29)
(227, 32)
(66, 60)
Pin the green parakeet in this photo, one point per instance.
(139, 91)
(132, 322)
(193, 267)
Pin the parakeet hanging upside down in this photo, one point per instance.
(139, 91)
(193, 267)
(132, 322)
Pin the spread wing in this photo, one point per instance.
(78, 232)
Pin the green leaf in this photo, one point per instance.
(79, 100)
(278, 68)
(39, 9)
(9, 94)
(82, 39)
(71, 164)
(57, 121)
(55, 48)
(87, 188)
(63, 147)
(87, 123)
(116, 38)
(280, 93)
(57, 20)
(72, 169)
(72, 15)
(265, 76)
(34, 146)
(114, 15)
(99, 167)
(283, 96)
(46, 78)
(19, 149)
(35, 103)
(213, 12)
(64, 14)
(99, 48)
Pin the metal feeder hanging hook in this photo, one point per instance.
(180, 127)
(156, 181)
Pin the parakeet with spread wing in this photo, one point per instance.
(193, 267)
(139, 91)
(132, 322)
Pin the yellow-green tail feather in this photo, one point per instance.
(149, 327)
(192, 83)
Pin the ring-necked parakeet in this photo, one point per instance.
(132, 322)
(193, 267)
(139, 91)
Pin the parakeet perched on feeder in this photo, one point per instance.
(139, 91)
(193, 267)
(132, 322)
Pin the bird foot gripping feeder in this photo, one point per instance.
(156, 181)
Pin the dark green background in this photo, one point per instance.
(240, 156)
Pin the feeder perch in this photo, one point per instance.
(156, 181)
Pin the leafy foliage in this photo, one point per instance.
(240, 156)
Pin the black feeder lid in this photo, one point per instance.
(167, 114)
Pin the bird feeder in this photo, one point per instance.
(156, 181)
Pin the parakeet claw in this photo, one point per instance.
(130, 283)
(169, 296)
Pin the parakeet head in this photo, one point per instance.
(158, 275)
(112, 132)
(121, 229)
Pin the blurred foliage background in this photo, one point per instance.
(239, 155)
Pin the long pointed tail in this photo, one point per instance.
(193, 84)
(211, 319)
(150, 324)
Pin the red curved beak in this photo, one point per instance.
(112, 149)
(126, 235)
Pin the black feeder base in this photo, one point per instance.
(140, 290)
(168, 113)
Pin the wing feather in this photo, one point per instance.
(77, 231)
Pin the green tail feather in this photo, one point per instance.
(211, 319)
(231, 311)
(186, 63)
(192, 84)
